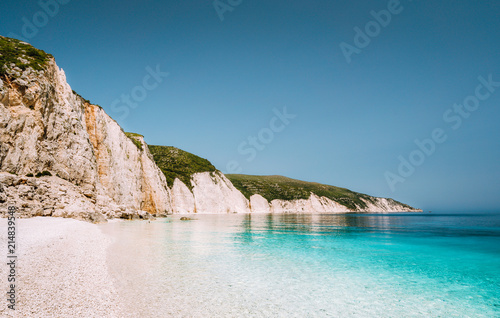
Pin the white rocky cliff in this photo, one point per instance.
(212, 193)
(319, 204)
(62, 156)
(95, 168)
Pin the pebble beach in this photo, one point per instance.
(61, 270)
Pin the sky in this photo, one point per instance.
(396, 99)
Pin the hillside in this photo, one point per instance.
(177, 163)
(283, 188)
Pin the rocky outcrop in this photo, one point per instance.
(45, 126)
(127, 174)
(314, 203)
(182, 198)
(318, 204)
(212, 193)
(258, 204)
(386, 205)
(47, 196)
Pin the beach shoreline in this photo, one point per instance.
(61, 270)
(228, 266)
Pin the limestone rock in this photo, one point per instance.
(45, 126)
(214, 193)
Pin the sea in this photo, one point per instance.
(309, 265)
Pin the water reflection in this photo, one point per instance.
(301, 265)
(315, 223)
(254, 226)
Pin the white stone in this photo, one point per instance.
(214, 193)
(259, 204)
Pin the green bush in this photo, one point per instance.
(177, 163)
(11, 50)
(29, 175)
(133, 137)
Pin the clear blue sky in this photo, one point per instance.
(353, 120)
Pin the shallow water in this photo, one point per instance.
(309, 265)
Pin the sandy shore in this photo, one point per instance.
(61, 271)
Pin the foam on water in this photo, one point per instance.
(401, 265)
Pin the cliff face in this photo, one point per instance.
(319, 204)
(314, 203)
(62, 156)
(278, 194)
(45, 126)
(212, 193)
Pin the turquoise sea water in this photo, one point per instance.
(310, 265)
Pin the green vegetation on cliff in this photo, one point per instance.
(133, 137)
(177, 163)
(20, 54)
(279, 187)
